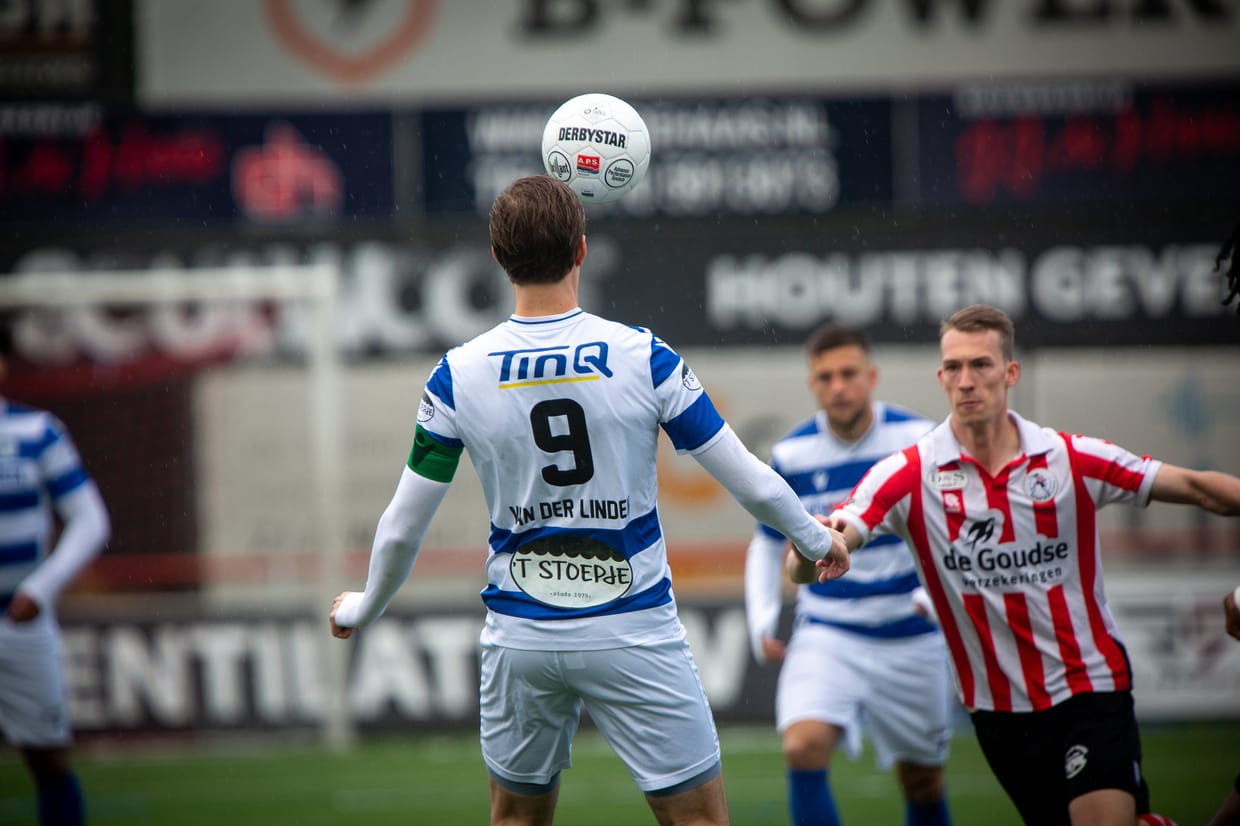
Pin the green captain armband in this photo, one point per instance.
(432, 458)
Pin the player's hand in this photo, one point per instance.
(837, 562)
(773, 650)
(22, 608)
(835, 523)
(1232, 612)
(923, 606)
(799, 569)
(339, 631)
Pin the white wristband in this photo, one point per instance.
(1235, 596)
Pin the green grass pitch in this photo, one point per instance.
(439, 779)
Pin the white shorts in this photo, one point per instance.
(34, 706)
(898, 689)
(647, 702)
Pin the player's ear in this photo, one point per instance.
(496, 260)
(581, 252)
(1013, 373)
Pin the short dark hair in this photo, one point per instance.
(536, 226)
(978, 318)
(830, 336)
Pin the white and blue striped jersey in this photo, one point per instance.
(560, 416)
(875, 597)
(39, 467)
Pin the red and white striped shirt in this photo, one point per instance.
(1012, 561)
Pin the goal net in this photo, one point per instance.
(206, 405)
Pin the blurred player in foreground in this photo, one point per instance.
(859, 654)
(560, 411)
(1000, 514)
(41, 476)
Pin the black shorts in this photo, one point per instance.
(1046, 759)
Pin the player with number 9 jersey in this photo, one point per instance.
(562, 415)
(560, 411)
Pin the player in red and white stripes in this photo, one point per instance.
(1001, 516)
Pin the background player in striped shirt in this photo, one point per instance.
(1000, 514)
(41, 477)
(859, 654)
(560, 411)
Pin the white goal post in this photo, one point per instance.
(317, 287)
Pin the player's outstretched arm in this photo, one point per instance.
(765, 494)
(398, 538)
(1207, 489)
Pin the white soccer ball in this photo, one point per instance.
(598, 145)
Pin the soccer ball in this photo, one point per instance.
(598, 145)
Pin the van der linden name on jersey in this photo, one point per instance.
(571, 509)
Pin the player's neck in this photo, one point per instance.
(534, 300)
(857, 427)
(992, 444)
